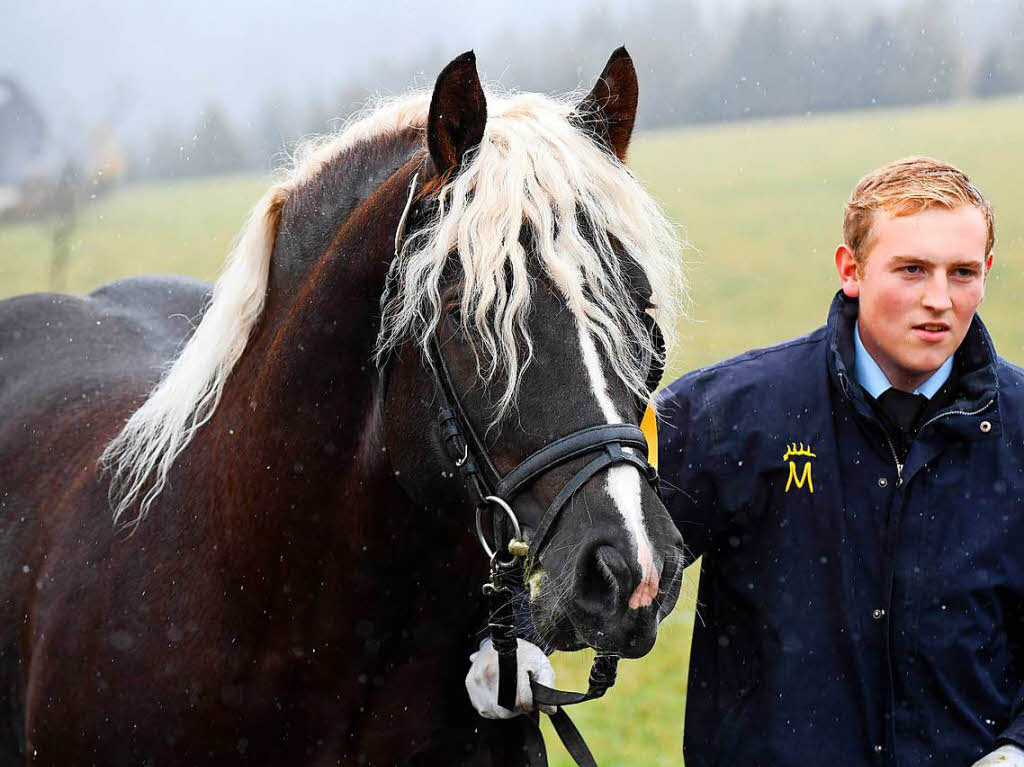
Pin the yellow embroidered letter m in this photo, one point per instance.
(794, 451)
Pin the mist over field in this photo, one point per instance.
(184, 89)
(759, 202)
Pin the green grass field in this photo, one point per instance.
(761, 204)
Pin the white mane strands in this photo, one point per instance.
(534, 167)
(188, 394)
(142, 454)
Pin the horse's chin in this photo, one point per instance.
(559, 630)
(554, 628)
(633, 642)
(641, 642)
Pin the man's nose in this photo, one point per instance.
(936, 294)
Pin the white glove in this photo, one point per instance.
(482, 679)
(1004, 756)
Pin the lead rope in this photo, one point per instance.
(500, 593)
(602, 676)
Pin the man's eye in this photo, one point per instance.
(964, 271)
(912, 269)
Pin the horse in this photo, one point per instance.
(230, 528)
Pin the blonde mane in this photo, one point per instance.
(142, 454)
(534, 167)
(585, 211)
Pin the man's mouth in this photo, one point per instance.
(932, 331)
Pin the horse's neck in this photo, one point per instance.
(298, 432)
(298, 425)
(313, 509)
(297, 474)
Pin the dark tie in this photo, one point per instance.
(902, 408)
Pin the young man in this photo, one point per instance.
(858, 498)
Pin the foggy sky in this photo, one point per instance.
(136, 63)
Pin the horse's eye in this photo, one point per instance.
(454, 311)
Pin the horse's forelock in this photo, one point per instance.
(584, 211)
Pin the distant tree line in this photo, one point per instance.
(767, 60)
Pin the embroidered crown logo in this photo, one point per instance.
(794, 451)
(797, 449)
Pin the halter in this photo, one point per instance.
(609, 444)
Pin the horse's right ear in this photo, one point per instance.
(458, 114)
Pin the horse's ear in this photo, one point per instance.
(458, 114)
(609, 110)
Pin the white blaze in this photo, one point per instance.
(623, 482)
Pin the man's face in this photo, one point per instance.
(919, 285)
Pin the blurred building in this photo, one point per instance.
(29, 162)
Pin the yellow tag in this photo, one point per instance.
(649, 426)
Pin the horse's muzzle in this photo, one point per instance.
(598, 604)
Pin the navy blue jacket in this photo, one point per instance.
(856, 606)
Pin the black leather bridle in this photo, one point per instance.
(607, 445)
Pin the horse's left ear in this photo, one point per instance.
(609, 110)
(458, 114)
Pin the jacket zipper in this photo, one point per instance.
(981, 409)
(892, 449)
(896, 460)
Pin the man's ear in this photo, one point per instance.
(849, 274)
(988, 262)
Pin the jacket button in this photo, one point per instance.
(879, 748)
(985, 426)
(877, 614)
(883, 482)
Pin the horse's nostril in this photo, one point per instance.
(605, 577)
(609, 564)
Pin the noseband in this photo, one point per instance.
(607, 445)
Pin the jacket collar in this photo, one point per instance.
(975, 362)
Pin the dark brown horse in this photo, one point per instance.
(291, 575)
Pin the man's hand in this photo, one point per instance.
(1004, 756)
(482, 679)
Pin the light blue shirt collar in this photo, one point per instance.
(871, 377)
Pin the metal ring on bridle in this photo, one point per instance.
(494, 500)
